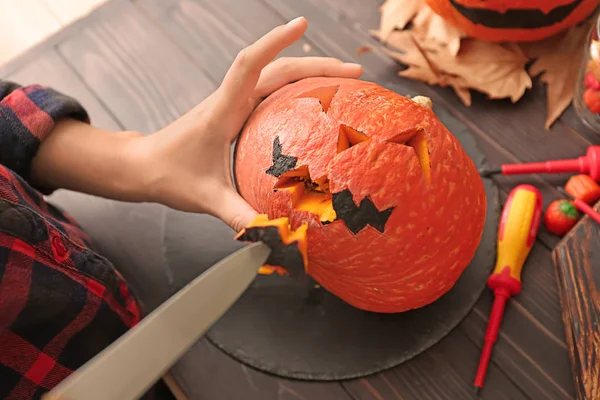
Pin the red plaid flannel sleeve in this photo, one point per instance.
(61, 303)
(27, 115)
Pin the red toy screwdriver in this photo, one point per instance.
(588, 164)
(518, 229)
(582, 206)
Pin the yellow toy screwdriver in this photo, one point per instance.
(518, 229)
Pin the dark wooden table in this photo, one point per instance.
(140, 64)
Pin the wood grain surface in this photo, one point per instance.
(51, 70)
(577, 261)
(143, 78)
(213, 32)
(444, 373)
(140, 64)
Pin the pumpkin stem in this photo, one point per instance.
(424, 101)
(419, 144)
(417, 139)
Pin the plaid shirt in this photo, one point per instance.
(60, 302)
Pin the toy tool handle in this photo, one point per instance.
(588, 164)
(549, 167)
(518, 229)
(585, 208)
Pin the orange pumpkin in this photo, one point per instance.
(395, 208)
(513, 20)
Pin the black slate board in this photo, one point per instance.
(296, 331)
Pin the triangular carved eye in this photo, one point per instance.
(323, 94)
(349, 137)
(405, 136)
(417, 139)
(419, 143)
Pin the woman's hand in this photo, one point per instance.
(189, 160)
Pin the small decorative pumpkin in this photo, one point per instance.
(584, 188)
(393, 205)
(513, 20)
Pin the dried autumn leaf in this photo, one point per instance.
(411, 55)
(363, 49)
(436, 53)
(499, 71)
(430, 27)
(396, 14)
(420, 67)
(404, 41)
(461, 91)
(557, 62)
(434, 31)
(439, 54)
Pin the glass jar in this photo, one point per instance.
(586, 100)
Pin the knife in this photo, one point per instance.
(133, 363)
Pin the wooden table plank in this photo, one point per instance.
(576, 265)
(539, 302)
(142, 76)
(217, 376)
(50, 69)
(571, 120)
(536, 362)
(213, 32)
(532, 342)
(444, 372)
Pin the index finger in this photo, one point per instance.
(241, 79)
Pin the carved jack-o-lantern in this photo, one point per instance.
(395, 208)
(513, 20)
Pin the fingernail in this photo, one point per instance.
(355, 68)
(295, 21)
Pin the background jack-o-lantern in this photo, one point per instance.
(513, 20)
(395, 207)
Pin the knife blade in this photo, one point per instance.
(133, 363)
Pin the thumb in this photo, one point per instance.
(235, 211)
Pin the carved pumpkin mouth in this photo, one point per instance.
(515, 18)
